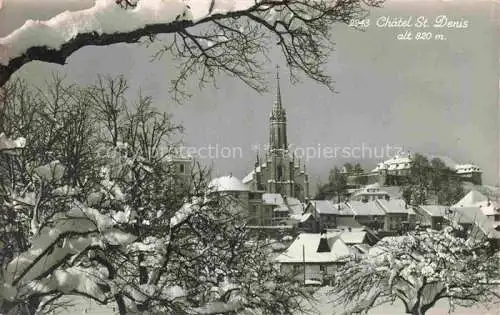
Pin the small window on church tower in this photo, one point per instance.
(280, 171)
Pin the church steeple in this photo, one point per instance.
(278, 90)
(278, 112)
(277, 128)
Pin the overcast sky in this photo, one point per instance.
(438, 96)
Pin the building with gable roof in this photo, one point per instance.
(264, 209)
(314, 256)
(476, 200)
(432, 216)
(368, 214)
(398, 216)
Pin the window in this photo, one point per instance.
(253, 211)
(280, 172)
(181, 168)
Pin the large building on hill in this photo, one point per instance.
(394, 171)
(278, 172)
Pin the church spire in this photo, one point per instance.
(278, 112)
(278, 90)
(277, 128)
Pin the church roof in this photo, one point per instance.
(247, 179)
(227, 183)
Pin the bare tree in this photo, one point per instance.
(234, 41)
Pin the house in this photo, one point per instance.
(469, 172)
(398, 217)
(306, 223)
(369, 193)
(478, 200)
(368, 214)
(324, 212)
(181, 167)
(476, 224)
(346, 217)
(356, 236)
(432, 216)
(264, 209)
(314, 256)
(396, 170)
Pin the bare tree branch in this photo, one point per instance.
(234, 43)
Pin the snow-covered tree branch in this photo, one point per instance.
(209, 36)
(91, 205)
(419, 269)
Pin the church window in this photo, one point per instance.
(280, 171)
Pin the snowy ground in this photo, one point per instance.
(324, 306)
(321, 307)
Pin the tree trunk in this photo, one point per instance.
(122, 310)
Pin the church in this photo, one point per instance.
(278, 172)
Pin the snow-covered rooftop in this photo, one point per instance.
(467, 168)
(365, 208)
(325, 207)
(435, 210)
(475, 216)
(296, 207)
(227, 183)
(472, 198)
(247, 179)
(305, 247)
(371, 192)
(353, 236)
(401, 161)
(475, 199)
(273, 199)
(393, 206)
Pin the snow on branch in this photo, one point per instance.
(419, 269)
(108, 22)
(10, 146)
(39, 270)
(103, 24)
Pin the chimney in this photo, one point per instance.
(323, 246)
